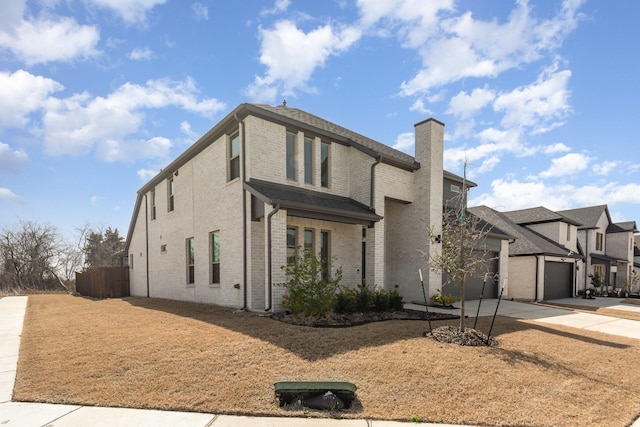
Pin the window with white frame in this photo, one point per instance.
(215, 257)
(191, 261)
(153, 203)
(291, 246)
(308, 241)
(291, 156)
(234, 156)
(308, 160)
(324, 253)
(324, 165)
(599, 241)
(170, 194)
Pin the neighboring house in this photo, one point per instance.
(542, 252)
(216, 225)
(607, 246)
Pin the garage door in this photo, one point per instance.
(473, 285)
(558, 280)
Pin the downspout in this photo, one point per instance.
(244, 216)
(537, 274)
(373, 184)
(146, 237)
(587, 260)
(269, 267)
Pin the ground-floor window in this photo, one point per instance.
(215, 257)
(291, 245)
(191, 261)
(324, 253)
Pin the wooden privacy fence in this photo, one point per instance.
(105, 282)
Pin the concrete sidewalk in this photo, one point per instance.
(12, 310)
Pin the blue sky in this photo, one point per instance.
(539, 98)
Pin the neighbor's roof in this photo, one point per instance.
(588, 216)
(537, 216)
(527, 242)
(620, 227)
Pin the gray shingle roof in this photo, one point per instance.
(312, 202)
(537, 215)
(526, 241)
(620, 227)
(588, 216)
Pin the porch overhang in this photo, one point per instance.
(303, 203)
(604, 259)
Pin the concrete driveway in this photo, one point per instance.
(555, 315)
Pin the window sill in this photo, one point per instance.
(214, 285)
(190, 285)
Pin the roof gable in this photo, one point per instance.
(588, 216)
(538, 215)
(527, 242)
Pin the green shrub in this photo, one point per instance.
(444, 299)
(307, 291)
(365, 300)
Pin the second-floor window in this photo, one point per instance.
(324, 165)
(599, 241)
(153, 204)
(308, 161)
(234, 157)
(291, 156)
(170, 195)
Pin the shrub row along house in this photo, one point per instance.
(217, 224)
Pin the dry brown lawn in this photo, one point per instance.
(149, 353)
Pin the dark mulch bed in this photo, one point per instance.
(347, 320)
(470, 337)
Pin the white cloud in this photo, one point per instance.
(418, 106)
(11, 160)
(568, 164)
(538, 104)
(465, 105)
(606, 167)
(201, 11)
(45, 40)
(556, 148)
(185, 127)
(513, 194)
(291, 56)
(146, 174)
(455, 47)
(9, 196)
(131, 11)
(405, 142)
(141, 54)
(22, 93)
(76, 124)
(279, 6)
(130, 150)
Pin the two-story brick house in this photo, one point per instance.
(217, 224)
(607, 246)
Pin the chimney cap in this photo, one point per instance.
(430, 119)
